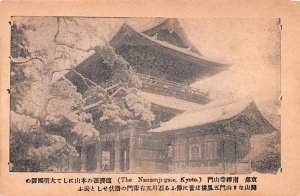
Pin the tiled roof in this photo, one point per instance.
(212, 115)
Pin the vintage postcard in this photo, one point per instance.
(136, 95)
(145, 104)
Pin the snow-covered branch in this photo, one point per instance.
(28, 60)
(84, 78)
(62, 43)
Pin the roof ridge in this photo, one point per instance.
(204, 116)
(169, 46)
(173, 25)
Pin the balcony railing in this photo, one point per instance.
(170, 85)
(167, 86)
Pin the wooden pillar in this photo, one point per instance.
(187, 151)
(248, 145)
(223, 152)
(235, 154)
(99, 156)
(132, 152)
(70, 162)
(117, 155)
(83, 158)
(203, 150)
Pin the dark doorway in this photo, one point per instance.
(77, 159)
(91, 161)
(108, 157)
(229, 151)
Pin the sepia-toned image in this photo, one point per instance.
(145, 95)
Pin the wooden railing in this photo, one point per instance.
(93, 101)
(163, 84)
(170, 85)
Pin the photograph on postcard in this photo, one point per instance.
(145, 95)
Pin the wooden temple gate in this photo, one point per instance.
(113, 153)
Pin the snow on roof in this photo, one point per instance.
(175, 36)
(186, 51)
(204, 116)
(170, 102)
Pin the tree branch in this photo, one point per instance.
(84, 78)
(69, 45)
(71, 20)
(75, 48)
(57, 32)
(66, 24)
(31, 59)
(44, 113)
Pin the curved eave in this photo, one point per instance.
(88, 61)
(246, 108)
(126, 32)
(173, 23)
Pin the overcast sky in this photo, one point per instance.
(251, 46)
